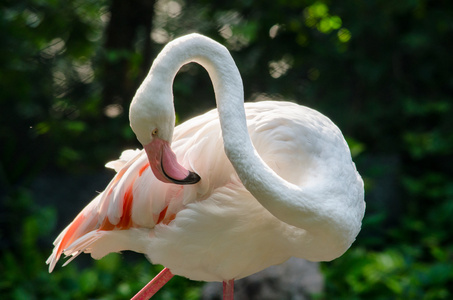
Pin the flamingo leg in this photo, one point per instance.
(154, 285)
(228, 290)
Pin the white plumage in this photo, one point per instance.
(307, 197)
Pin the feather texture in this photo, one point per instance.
(277, 180)
(187, 228)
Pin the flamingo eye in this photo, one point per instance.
(154, 132)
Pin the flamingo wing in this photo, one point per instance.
(134, 202)
(131, 205)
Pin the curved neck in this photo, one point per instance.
(284, 200)
(269, 188)
(225, 78)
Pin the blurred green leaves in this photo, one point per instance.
(390, 274)
(317, 15)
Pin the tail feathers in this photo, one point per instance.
(84, 223)
(75, 248)
(111, 221)
(82, 245)
(79, 234)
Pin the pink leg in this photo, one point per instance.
(228, 290)
(154, 285)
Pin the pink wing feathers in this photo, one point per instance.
(124, 214)
(121, 217)
(134, 200)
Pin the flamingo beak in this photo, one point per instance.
(164, 165)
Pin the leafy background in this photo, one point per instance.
(381, 70)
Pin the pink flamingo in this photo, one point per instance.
(277, 181)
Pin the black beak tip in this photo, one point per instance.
(192, 178)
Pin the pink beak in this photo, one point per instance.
(164, 165)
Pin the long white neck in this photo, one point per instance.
(286, 201)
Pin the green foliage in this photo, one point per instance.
(396, 273)
(49, 95)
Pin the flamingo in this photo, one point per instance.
(227, 193)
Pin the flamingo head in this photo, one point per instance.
(152, 119)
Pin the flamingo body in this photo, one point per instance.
(188, 228)
(268, 180)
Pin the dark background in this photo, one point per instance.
(381, 70)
